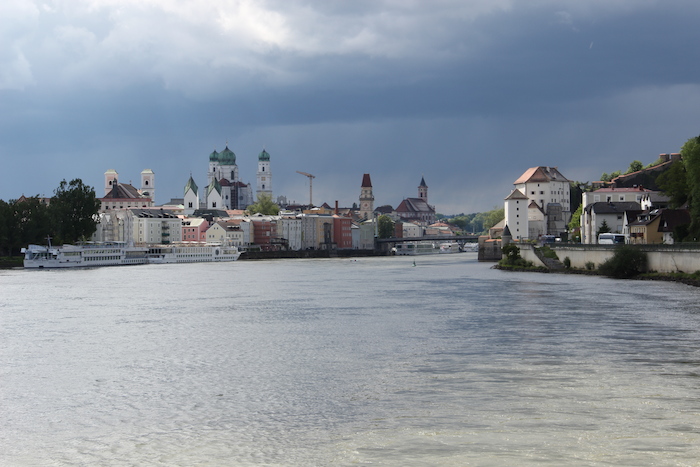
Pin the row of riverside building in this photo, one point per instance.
(217, 213)
(539, 206)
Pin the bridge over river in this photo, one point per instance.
(386, 243)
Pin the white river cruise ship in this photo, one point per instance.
(120, 254)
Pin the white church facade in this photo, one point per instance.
(224, 189)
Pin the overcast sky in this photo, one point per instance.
(468, 93)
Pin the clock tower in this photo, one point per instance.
(366, 198)
(264, 175)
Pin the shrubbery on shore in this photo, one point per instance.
(626, 262)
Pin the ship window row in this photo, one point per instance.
(102, 258)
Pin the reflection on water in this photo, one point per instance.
(346, 362)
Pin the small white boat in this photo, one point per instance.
(450, 247)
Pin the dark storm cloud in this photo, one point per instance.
(469, 94)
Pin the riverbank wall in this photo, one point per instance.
(253, 255)
(660, 258)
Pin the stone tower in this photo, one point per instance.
(423, 190)
(191, 197)
(264, 175)
(366, 198)
(111, 180)
(148, 189)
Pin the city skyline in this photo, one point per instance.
(468, 94)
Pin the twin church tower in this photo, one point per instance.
(224, 188)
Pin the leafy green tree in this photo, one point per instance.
(385, 226)
(576, 190)
(73, 211)
(493, 217)
(32, 221)
(635, 166)
(674, 183)
(511, 254)
(606, 177)
(604, 227)
(6, 228)
(626, 262)
(575, 222)
(460, 221)
(476, 224)
(690, 152)
(264, 206)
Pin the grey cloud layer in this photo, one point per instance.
(379, 85)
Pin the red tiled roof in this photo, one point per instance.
(541, 174)
(414, 205)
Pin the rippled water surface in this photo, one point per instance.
(346, 362)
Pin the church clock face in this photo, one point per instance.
(365, 205)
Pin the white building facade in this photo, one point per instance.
(155, 226)
(548, 204)
(289, 227)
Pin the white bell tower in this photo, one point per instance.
(264, 176)
(111, 180)
(148, 188)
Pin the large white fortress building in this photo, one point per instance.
(539, 204)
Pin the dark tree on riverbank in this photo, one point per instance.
(682, 184)
(385, 226)
(73, 211)
(22, 222)
(68, 217)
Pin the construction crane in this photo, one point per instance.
(311, 177)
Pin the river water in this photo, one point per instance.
(368, 361)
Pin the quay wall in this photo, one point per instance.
(661, 258)
(253, 255)
(528, 253)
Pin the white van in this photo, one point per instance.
(610, 239)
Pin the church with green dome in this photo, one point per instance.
(224, 189)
